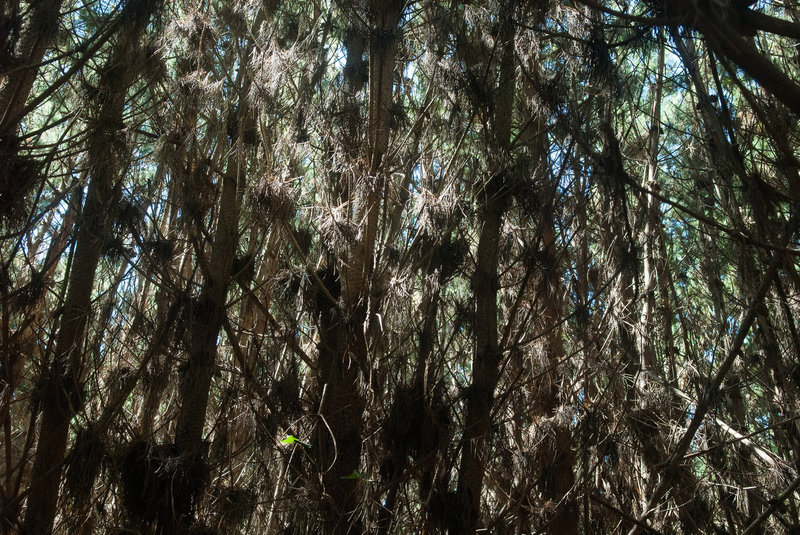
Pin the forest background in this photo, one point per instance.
(399, 266)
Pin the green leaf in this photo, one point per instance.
(291, 439)
(357, 475)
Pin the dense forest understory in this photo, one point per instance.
(394, 267)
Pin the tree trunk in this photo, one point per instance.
(42, 26)
(16, 175)
(555, 456)
(63, 396)
(343, 353)
(208, 317)
(475, 443)
(647, 352)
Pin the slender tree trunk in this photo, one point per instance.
(647, 352)
(555, 456)
(22, 346)
(209, 313)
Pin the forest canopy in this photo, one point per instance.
(348, 267)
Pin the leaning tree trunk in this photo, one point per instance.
(27, 54)
(107, 153)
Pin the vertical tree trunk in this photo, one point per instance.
(208, 317)
(554, 457)
(344, 325)
(486, 359)
(554, 454)
(209, 313)
(647, 352)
